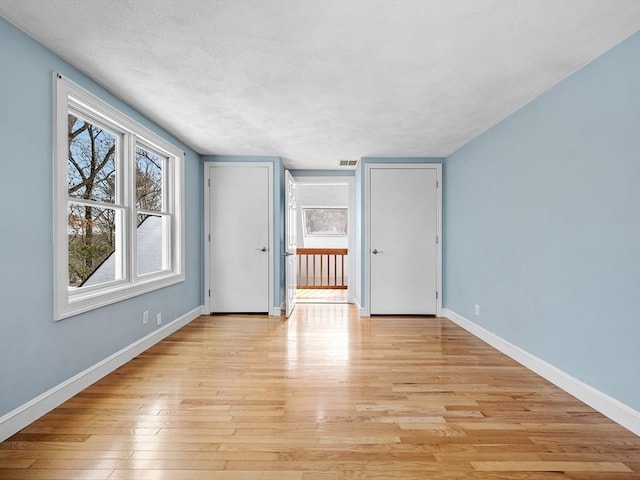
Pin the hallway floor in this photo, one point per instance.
(305, 295)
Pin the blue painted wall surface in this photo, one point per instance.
(361, 203)
(37, 353)
(278, 213)
(543, 226)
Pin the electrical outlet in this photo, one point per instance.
(145, 317)
(477, 310)
(158, 318)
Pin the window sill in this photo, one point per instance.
(103, 297)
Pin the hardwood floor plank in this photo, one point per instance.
(542, 466)
(322, 395)
(202, 475)
(202, 455)
(603, 476)
(34, 455)
(357, 475)
(58, 474)
(131, 464)
(15, 463)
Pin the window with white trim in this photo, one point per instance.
(118, 206)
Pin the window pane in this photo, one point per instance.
(149, 168)
(152, 243)
(93, 236)
(325, 221)
(91, 166)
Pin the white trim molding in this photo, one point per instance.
(362, 311)
(276, 312)
(24, 415)
(603, 403)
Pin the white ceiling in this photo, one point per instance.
(316, 81)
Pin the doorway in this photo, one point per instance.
(324, 239)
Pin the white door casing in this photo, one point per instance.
(403, 248)
(238, 230)
(290, 249)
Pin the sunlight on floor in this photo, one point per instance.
(304, 295)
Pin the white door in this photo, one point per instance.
(403, 244)
(290, 253)
(239, 242)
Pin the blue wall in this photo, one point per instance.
(37, 353)
(543, 226)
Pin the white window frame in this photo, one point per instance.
(68, 95)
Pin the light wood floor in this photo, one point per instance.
(325, 395)
(317, 295)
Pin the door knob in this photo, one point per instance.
(263, 249)
(375, 251)
(287, 254)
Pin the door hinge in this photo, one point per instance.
(437, 239)
(436, 295)
(209, 237)
(209, 292)
(208, 182)
(437, 184)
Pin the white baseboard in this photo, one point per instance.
(608, 406)
(22, 416)
(363, 312)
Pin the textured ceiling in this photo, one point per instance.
(319, 81)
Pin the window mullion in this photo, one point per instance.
(129, 200)
(142, 211)
(94, 203)
(168, 205)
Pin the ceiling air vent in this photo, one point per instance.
(348, 163)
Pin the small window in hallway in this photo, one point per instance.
(325, 221)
